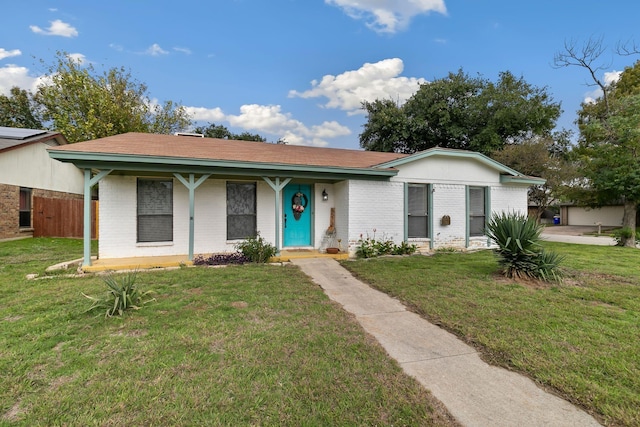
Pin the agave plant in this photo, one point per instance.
(122, 294)
(519, 250)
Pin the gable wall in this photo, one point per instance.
(447, 170)
(30, 166)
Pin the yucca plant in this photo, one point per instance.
(122, 294)
(519, 250)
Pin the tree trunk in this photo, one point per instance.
(629, 221)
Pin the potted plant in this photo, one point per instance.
(332, 248)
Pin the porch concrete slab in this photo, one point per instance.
(475, 393)
(137, 263)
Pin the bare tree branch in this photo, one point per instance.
(586, 57)
(628, 48)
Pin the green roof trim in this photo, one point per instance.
(130, 162)
(529, 180)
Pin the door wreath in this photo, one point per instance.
(298, 204)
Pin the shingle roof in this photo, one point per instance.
(9, 138)
(189, 147)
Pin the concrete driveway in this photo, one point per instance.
(580, 234)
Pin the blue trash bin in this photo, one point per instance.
(556, 220)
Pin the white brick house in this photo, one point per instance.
(180, 195)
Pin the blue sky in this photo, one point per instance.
(299, 69)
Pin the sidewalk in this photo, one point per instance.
(475, 393)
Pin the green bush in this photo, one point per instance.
(370, 247)
(256, 249)
(122, 294)
(622, 234)
(519, 250)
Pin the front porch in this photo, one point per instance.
(151, 262)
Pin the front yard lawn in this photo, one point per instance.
(248, 345)
(580, 338)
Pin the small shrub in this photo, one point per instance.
(622, 234)
(221, 259)
(256, 249)
(122, 295)
(370, 247)
(519, 250)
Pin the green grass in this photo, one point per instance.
(244, 345)
(580, 338)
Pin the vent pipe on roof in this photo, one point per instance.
(196, 135)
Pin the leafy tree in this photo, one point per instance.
(462, 112)
(84, 105)
(608, 151)
(18, 110)
(219, 131)
(546, 157)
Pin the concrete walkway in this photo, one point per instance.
(475, 393)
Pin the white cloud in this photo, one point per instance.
(9, 53)
(271, 120)
(184, 50)
(12, 75)
(57, 28)
(202, 114)
(117, 47)
(610, 77)
(77, 57)
(388, 16)
(156, 50)
(348, 90)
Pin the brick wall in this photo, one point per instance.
(9, 211)
(376, 205)
(10, 208)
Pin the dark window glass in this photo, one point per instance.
(477, 215)
(25, 207)
(155, 210)
(241, 210)
(418, 218)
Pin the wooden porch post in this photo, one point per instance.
(277, 187)
(88, 183)
(191, 185)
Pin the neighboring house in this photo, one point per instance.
(174, 195)
(27, 172)
(609, 216)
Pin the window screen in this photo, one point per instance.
(241, 210)
(476, 211)
(155, 210)
(418, 211)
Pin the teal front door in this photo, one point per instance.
(296, 208)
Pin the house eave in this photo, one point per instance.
(528, 180)
(133, 163)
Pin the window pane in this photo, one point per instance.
(155, 197)
(155, 228)
(155, 210)
(25, 208)
(476, 201)
(417, 199)
(476, 226)
(476, 211)
(418, 226)
(241, 210)
(241, 226)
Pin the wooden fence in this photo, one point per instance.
(61, 217)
